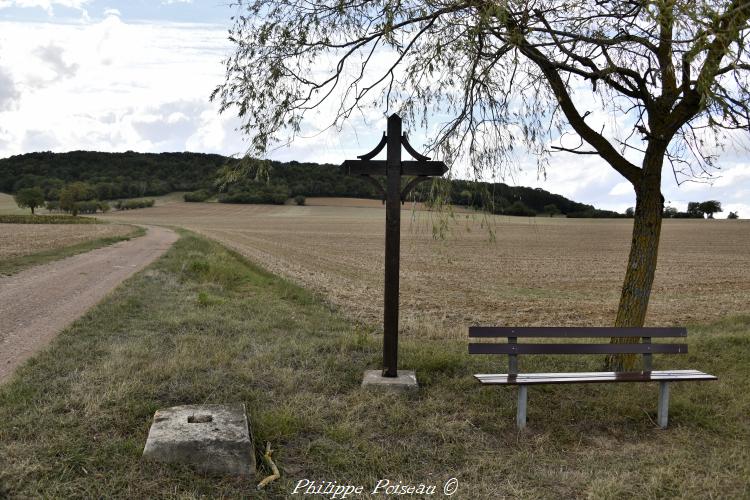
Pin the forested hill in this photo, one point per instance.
(127, 175)
(114, 175)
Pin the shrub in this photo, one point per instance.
(197, 196)
(46, 219)
(133, 204)
(271, 195)
(299, 200)
(519, 208)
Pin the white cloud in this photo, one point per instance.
(47, 5)
(9, 94)
(112, 86)
(621, 189)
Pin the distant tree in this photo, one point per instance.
(630, 212)
(670, 212)
(299, 200)
(551, 210)
(694, 210)
(733, 215)
(72, 194)
(710, 207)
(519, 208)
(465, 197)
(29, 198)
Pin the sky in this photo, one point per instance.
(114, 75)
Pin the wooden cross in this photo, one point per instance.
(393, 196)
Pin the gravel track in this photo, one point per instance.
(38, 303)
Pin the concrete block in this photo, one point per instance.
(406, 380)
(212, 438)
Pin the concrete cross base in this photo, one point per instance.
(212, 438)
(406, 380)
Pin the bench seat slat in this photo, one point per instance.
(578, 348)
(591, 377)
(568, 332)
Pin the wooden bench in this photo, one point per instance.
(514, 349)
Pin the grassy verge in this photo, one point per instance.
(203, 326)
(46, 219)
(16, 264)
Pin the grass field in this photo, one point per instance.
(203, 326)
(8, 206)
(25, 245)
(538, 271)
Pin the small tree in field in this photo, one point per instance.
(551, 210)
(710, 207)
(733, 215)
(29, 198)
(673, 75)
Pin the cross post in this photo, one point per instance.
(393, 195)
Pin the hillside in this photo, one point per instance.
(128, 175)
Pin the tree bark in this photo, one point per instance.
(644, 248)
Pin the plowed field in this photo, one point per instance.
(538, 271)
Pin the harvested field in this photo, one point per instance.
(18, 240)
(539, 271)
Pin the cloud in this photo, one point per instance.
(9, 94)
(39, 140)
(113, 86)
(169, 126)
(52, 55)
(46, 5)
(621, 188)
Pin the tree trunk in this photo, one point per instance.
(636, 288)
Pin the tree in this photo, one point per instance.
(630, 212)
(673, 73)
(710, 207)
(29, 198)
(72, 194)
(733, 215)
(694, 210)
(670, 212)
(551, 209)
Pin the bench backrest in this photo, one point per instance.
(513, 348)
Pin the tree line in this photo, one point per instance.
(89, 176)
(695, 210)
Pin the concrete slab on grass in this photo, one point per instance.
(212, 438)
(406, 380)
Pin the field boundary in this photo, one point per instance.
(14, 265)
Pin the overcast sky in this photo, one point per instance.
(115, 75)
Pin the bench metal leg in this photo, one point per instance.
(521, 409)
(663, 412)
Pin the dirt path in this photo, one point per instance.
(36, 304)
